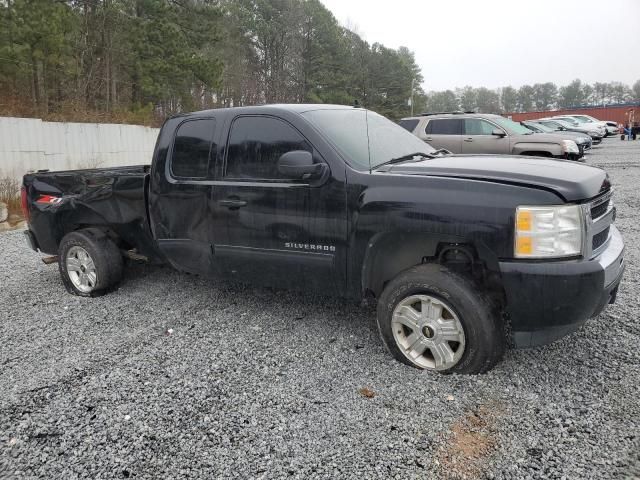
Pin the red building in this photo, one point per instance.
(618, 113)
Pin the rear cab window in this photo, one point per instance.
(192, 147)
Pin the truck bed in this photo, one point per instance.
(59, 202)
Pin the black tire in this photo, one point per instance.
(105, 255)
(485, 339)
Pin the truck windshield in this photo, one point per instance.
(364, 138)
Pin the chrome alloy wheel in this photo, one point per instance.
(81, 269)
(428, 332)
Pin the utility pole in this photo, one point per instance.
(411, 100)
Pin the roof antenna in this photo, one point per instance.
(356, 103)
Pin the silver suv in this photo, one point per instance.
(468, 133)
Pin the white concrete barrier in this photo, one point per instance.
(31, 144)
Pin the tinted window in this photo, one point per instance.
(256, 144)
(476, 126)
(409, 125)
(191, 148)
(445, 126)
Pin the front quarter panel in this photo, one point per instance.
(520, 147)
(400, 219)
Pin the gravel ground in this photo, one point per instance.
(254, 383)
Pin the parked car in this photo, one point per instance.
(469, 133)
(562, 126)
(588, 119)
(334, 200)
(583, 140)
(572, 121)
(614, 125)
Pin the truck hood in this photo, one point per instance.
(572, 181)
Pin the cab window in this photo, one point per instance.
(192, 148)
(255, 145)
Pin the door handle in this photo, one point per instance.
(428, 139)
(232, 203)
(468, 139)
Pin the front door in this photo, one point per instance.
(278, 231)
(479, 138)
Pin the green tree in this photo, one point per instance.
(170, 60)
(36, 49)
(620, 93)
(544, 95)
(468, 98)
(442, 102)
(571, 95)
(525, 98)
(587, 94)
(488, 101)
(601, 92)
(324, 76)
(636, 91)
(509, 99)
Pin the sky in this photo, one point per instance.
(494, 43)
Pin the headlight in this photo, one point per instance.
(569, 146)
(545, 232)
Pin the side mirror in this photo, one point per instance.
(299, 164)
(498, 133)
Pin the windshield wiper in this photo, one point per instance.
(410, 156)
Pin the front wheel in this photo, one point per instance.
(434, 319)
(90, 263)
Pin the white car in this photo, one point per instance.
(610, 129)
(598, 127)
(563, 125)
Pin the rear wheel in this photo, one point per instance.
(90, 263)
(434, 319)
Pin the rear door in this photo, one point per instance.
(277, 231)
(179, 212)
(444, 133)
(478, 137)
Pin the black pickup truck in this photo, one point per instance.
(464, 255)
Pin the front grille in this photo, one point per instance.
(599, 239)
(600, 209)
(600, 215)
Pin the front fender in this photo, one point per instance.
(553, 149)
(389, 253)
